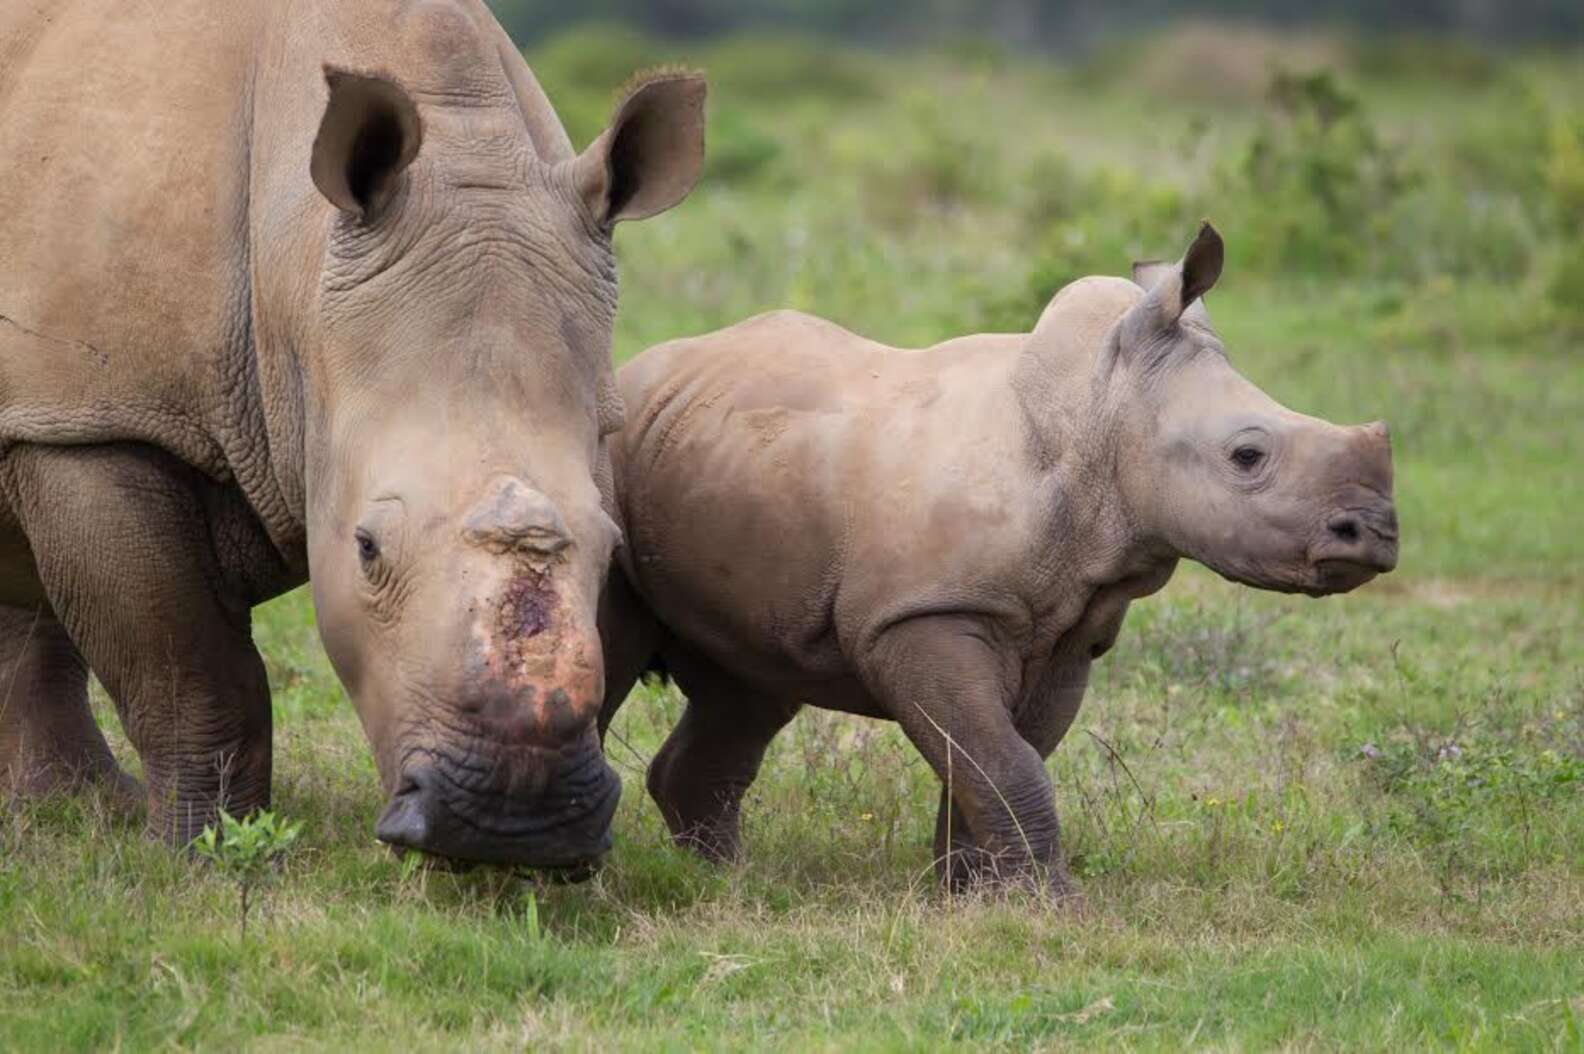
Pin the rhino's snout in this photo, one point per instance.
(515, 516)
(410, 820)
(1370, 532)
(1355, 545)
(1358, 540)
(567, 828)
(1366, 537)
(496, 758)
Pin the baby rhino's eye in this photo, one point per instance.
(1247, 457)
(368, 548)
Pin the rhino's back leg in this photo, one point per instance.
(48, 738)
(709, 761)
(125, 551)
(630, 639)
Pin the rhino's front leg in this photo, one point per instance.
(959, 862)
(1043, 721)
(950, 686)
(122, 542)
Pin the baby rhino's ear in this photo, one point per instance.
(1201, 265)
(1176, 291)
(1146, 273)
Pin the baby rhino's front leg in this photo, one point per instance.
(950, 686)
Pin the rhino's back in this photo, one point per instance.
(123, 142)
(813, 376)
(156, 209)
(770, 467)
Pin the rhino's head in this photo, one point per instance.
(1218, 471)
(454, 428)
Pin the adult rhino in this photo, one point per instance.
(949, 538)
(312, 288)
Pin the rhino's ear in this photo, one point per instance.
(1201, 265)
(650, 156)
(1147, 273)
(1175, 291)
(370, 133)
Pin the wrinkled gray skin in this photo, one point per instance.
(312, 287)
(949, 538)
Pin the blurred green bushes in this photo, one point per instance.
(778, 69)
(1565, 180)
(1057, 24)
(1319, 185)
(1399, 57)
(585, 68)
(1424, 167)
(1325, 194)
(1317, 190)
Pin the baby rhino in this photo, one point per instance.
(949, 538)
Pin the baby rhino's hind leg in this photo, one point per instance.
(709, 761)
(48, 738)
(629, 636)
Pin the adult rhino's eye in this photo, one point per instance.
(1247, 457)
(368, 548)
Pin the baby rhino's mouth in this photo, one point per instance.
(1343, 576)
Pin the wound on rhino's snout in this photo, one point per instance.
(526, 607)
(540, 670)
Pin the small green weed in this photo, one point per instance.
(246, 851)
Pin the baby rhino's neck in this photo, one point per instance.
(1061, 383)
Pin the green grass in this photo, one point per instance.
(1356, 823)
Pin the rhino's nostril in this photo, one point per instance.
(1344, 528)
(407, 821)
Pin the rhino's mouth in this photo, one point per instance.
(566, 830)
(1321, 578)
(1342, 576)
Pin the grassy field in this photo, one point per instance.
(1356, 823)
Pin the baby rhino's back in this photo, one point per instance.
(777, 471)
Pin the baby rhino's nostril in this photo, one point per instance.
(1345, 528)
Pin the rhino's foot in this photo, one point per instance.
(974, 871)
(719, 845)
(124, 793)
(703, 818)
(964, 866)
(26, 781)
(178, 810)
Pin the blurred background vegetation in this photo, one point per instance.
(1050, 24)
(1406, 143)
